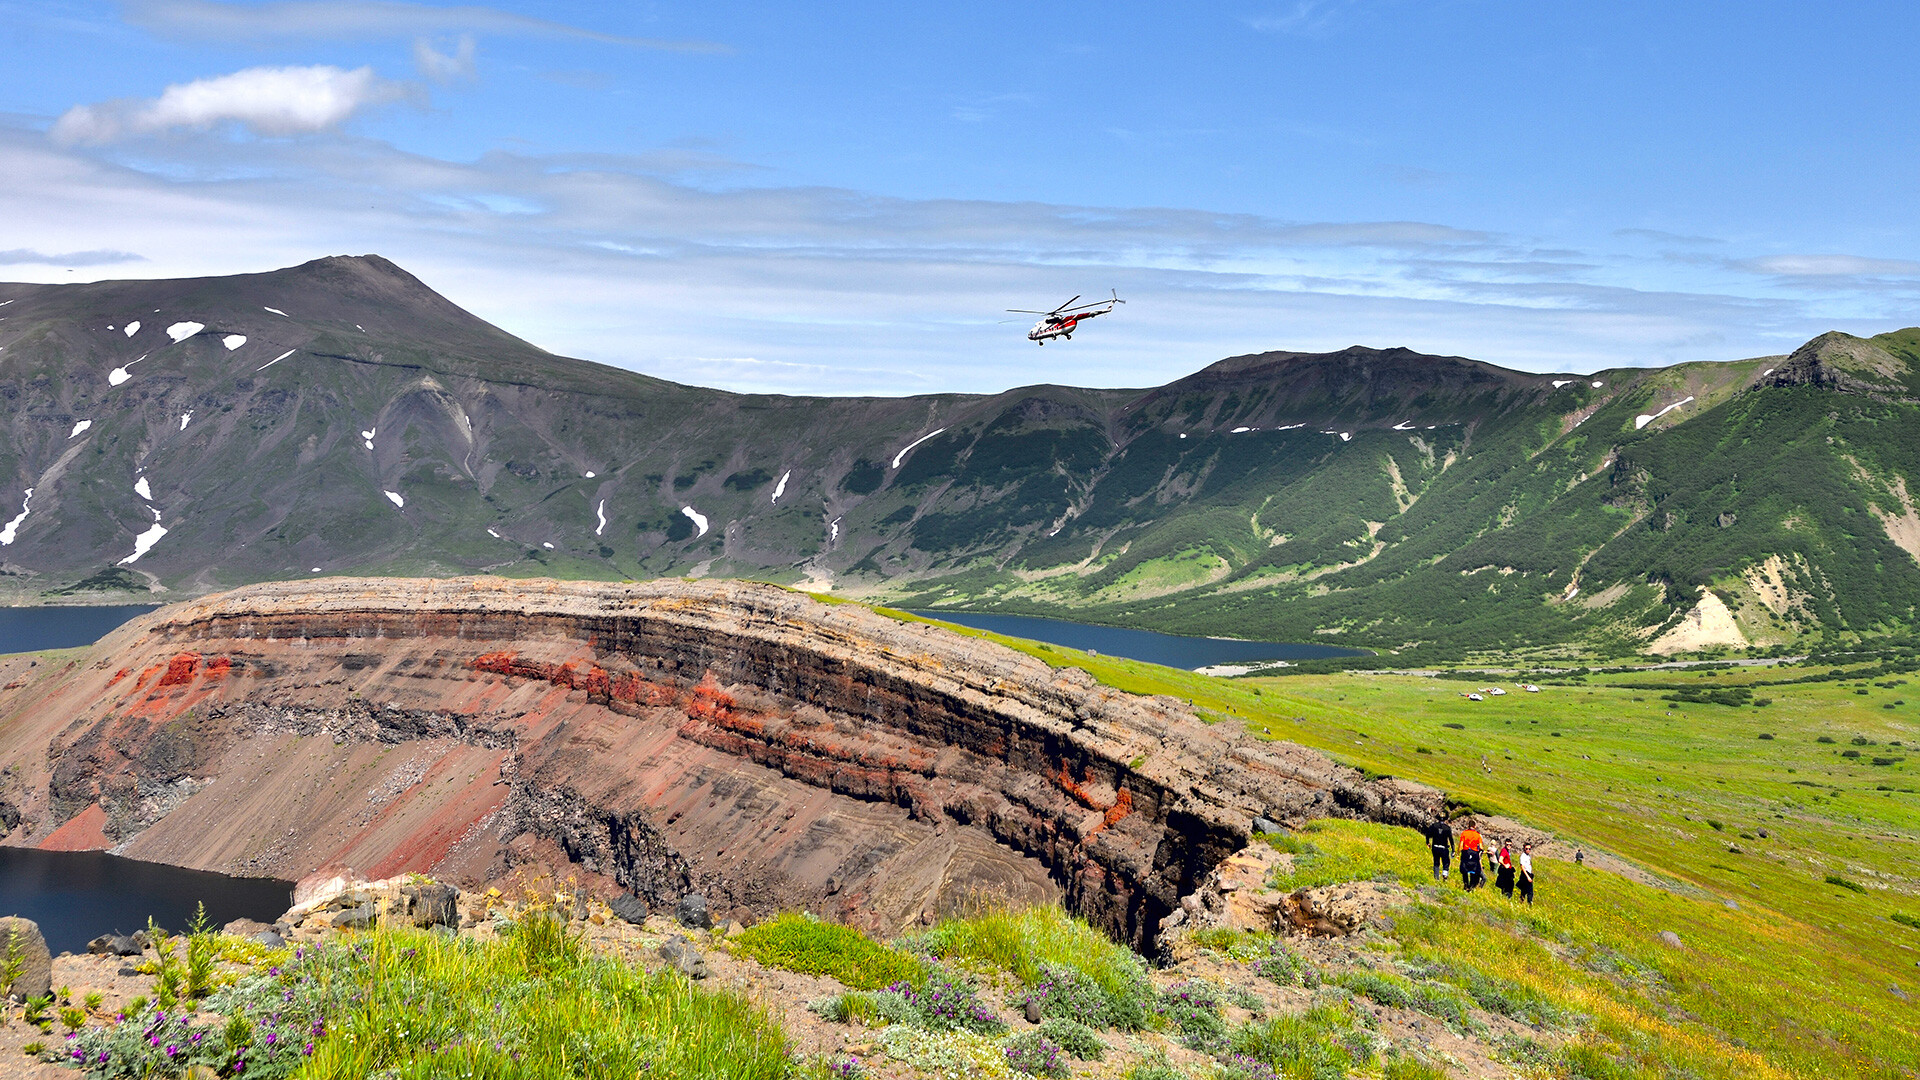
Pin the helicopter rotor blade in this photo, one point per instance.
(1064, 307)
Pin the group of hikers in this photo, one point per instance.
(1510, 873)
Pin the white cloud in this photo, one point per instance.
(1832, 266)
(444, 67)
(339, 19)
(268, 100)
(814, 290)
(1308, 18)
(105, 257)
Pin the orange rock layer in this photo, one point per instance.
(769, 750)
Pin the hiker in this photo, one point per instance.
(1470, 875)
(1440, 840)
(1503, 874)
(1526, 873)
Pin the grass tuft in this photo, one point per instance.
(810, 946)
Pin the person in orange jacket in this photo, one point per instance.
(1470, 844)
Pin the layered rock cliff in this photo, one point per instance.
(769, 749)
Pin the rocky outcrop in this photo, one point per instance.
(756, 745)
(1838, 361)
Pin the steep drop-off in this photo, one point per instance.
(754, 743)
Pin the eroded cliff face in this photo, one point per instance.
(766, 748)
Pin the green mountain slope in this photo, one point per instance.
(1371, 497)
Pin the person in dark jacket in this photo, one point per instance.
(1440, 842)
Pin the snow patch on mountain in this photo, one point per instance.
(12, 530)
(144, 543)
(897, 458)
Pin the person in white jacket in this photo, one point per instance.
(1526, 873)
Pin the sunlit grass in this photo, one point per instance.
(806, 944)
(533, 1006)
(1802, 970)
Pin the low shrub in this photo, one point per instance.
(1192, 1007)
(948, 1002)
(1282, 967)
(1075, 970)
(1498, 996)
(1836, 879)
(1408, 1067)
(810, 946)
(1075, 1038)
(1314, 1044)
(1906, 920)
(947, 1054)
(1031, 1052)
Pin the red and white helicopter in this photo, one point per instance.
(1061, 321)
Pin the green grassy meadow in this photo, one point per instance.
(1798, 967)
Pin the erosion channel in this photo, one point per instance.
(753, 743)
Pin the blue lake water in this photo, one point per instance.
(1172, 650)
(76, 896)
(29, 629)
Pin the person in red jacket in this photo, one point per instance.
(1503, 870)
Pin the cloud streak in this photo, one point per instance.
(828, 290)
(265, 100)
(453, 66)
(27, 256)
(339, 19)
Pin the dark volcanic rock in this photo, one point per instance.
(113, 945)
(692, 912)
(685, 959)
(433, 904)
(629, 907)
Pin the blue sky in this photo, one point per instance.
(842, 198)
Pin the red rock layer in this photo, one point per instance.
(768, 749)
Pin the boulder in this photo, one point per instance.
(243, 927)
(356, 918)
(1267, 825)
(629, 907)
(692, 912)
(325, 882)
(270, 938)
(432, 904)
(21, 940)
(1670, 939)
(113, 945)
(685, 959)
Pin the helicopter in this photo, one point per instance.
(1061, 321)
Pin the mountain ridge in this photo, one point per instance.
(341, 417)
